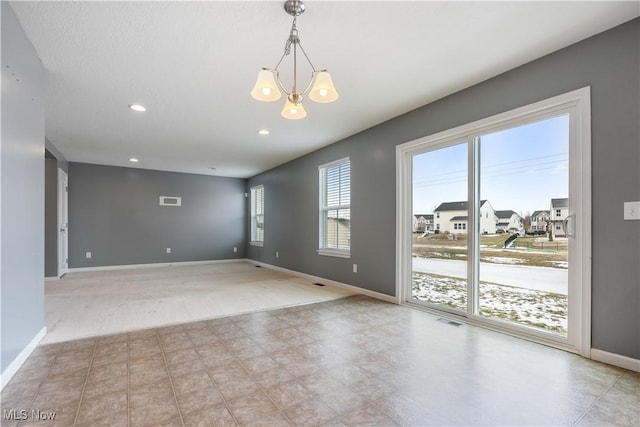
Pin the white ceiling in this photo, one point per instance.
(193, 64)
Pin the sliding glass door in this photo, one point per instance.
(439, 275)
(523, 271)
(495, 222)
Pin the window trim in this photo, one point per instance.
(324, 251)
(253, 216)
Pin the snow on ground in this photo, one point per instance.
(502, 260)
(559, 264)
(545, 310)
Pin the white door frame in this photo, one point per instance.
(578, 104)
(63, 223)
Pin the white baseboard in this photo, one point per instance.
(362, 291)
(615, 359)
(11, 370)
(154, 265)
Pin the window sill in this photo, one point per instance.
(259, 244)
(334, 252)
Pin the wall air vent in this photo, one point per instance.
(170, 201)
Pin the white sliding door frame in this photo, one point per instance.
(577, 105)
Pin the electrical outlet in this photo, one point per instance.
(277, 254)
(355, 268)
(235, 249)
(168, 250)
(632, 210)
(87, 255)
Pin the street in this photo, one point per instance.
(539, 278)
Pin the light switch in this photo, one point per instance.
(632, 210)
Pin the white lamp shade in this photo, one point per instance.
(293, 111)
(323, 90)
(266, 88)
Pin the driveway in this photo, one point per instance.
(540, 278)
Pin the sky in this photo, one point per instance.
(521, 169)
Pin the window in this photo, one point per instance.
(473, 154)
(257, 216)
(335, 208)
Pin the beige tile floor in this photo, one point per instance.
(96, 303)
(347, 362)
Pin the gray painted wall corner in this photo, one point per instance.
(115, 214)
(50, 218)
(61, 160)
(22, 226)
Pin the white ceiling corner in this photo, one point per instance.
(193, 64)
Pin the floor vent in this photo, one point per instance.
(318, 284)
(449, 322)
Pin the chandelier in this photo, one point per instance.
(268, 85)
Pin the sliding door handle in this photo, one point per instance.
(569, 225)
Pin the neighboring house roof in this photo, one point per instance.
(505, 214)
(560, 203)
(455, 206)
(459, 218)
(539, 213)
(425, 216)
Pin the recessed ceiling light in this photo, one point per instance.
(133, 160)
(137, 107)
(263, 132)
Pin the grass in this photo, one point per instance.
(538, 309)
(529, 251)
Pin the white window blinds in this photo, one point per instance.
(257, 215)
(335, 208)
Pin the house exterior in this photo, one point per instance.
(508, 221)
(338, 233)
(423, 223)
(452, 217)
(558, 213)
(539, 221)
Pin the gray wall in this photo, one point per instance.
(50, 217)
(114, 213)
(22, 182)
(607, 62)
